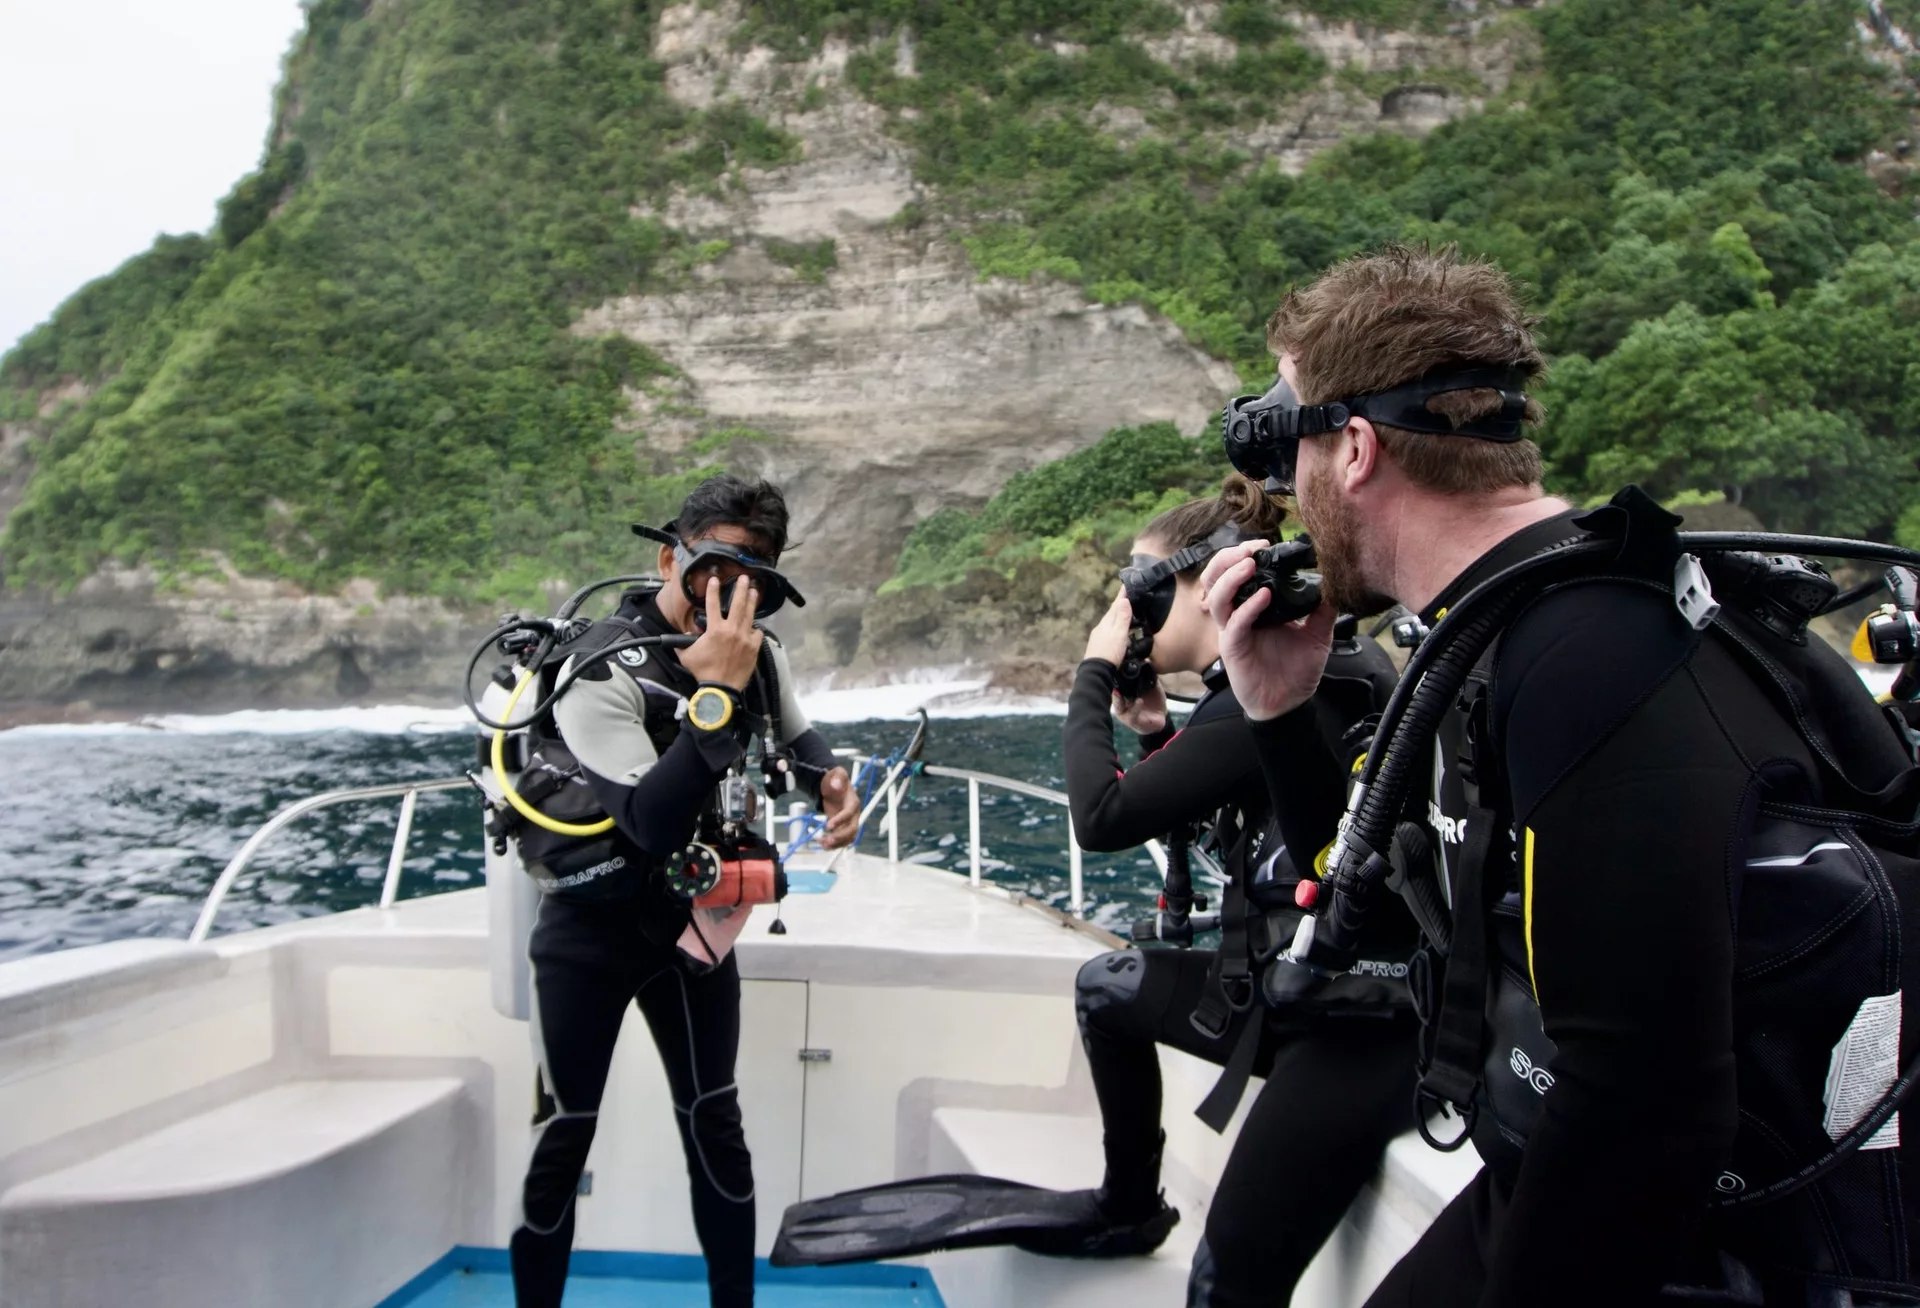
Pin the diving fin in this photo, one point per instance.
(959, 1211)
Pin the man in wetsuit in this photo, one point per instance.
(613, 933)
(1630, 753)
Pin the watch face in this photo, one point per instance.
(709, 709)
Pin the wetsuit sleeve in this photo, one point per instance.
(1204, 767)
(1302, 753)
(1631, 804)
(654, 798)
(1304, 781)
(813, 758)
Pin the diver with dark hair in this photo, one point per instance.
(1201, 789)
(633, 769)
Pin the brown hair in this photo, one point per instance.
(1380, 320)
(1240, 502)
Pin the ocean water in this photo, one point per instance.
(118, 830)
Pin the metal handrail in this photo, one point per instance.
(410, 791)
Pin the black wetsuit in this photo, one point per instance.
(1257, 1242)
(613, 940)
(1634, 751)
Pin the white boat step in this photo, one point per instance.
(1061, 1152)
(261, 1200)
(1064, 1153)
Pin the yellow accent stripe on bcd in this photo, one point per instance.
(1526, 909)
(1320, 860)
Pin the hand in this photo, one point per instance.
(1145, 715)
(729, 649)
(842, 807)
(1273, 670)
(1108, 639)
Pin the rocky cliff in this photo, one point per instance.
(831, 304)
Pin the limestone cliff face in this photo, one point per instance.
(893, 382)
(900, 383)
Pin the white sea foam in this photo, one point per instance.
(946, 693)
(943, 692)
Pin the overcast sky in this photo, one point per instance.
(119, 120)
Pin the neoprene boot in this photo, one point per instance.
(1126, 1217)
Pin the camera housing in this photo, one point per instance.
(1282, 570)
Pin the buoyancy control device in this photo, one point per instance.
(547, 832)
(1827, 942)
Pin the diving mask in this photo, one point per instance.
(1262, 433)
(1150, 582)
(706, 560)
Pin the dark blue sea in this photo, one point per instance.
(118, 831)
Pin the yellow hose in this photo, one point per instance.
(520, 806)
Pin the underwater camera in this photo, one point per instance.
(1281, 570)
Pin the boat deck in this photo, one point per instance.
(478, 1278)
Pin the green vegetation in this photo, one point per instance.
(368, 368)
(371, 372)
(812, 260)
(1730, 294)
(1102, 493)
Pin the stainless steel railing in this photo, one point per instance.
(409, 792)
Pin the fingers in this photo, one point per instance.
(1227, 582)
(746, 603)
(1225, 559)
(713, 603)
(1238, 628)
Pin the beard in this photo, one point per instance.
(1335, 529)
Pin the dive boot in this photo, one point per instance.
(1094, 1231)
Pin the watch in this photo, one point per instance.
(710, 708)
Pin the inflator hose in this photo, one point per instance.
(520, 806)
(1433, 678)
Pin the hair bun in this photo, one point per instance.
(1251, 508)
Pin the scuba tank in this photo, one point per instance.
(509, 709)
(512, 898)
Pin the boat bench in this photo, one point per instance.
(322, 1192)
(1063, 1152)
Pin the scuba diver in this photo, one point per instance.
(641, 842)
(1660, 840)
(1202, 791)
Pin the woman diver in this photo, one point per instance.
(1202, 787)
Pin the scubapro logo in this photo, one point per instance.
(1452, 830)
(1538, 1077)
(633, 658)
(1729, 1183)
(1374, 967)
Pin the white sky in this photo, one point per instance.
(120, 120)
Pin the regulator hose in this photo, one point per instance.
(1359, 863)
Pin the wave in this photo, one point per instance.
(943, 692)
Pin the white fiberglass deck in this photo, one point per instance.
(317, 1113)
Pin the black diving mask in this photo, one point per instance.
(1262, 433)
(708, 559)
(1150, 582)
